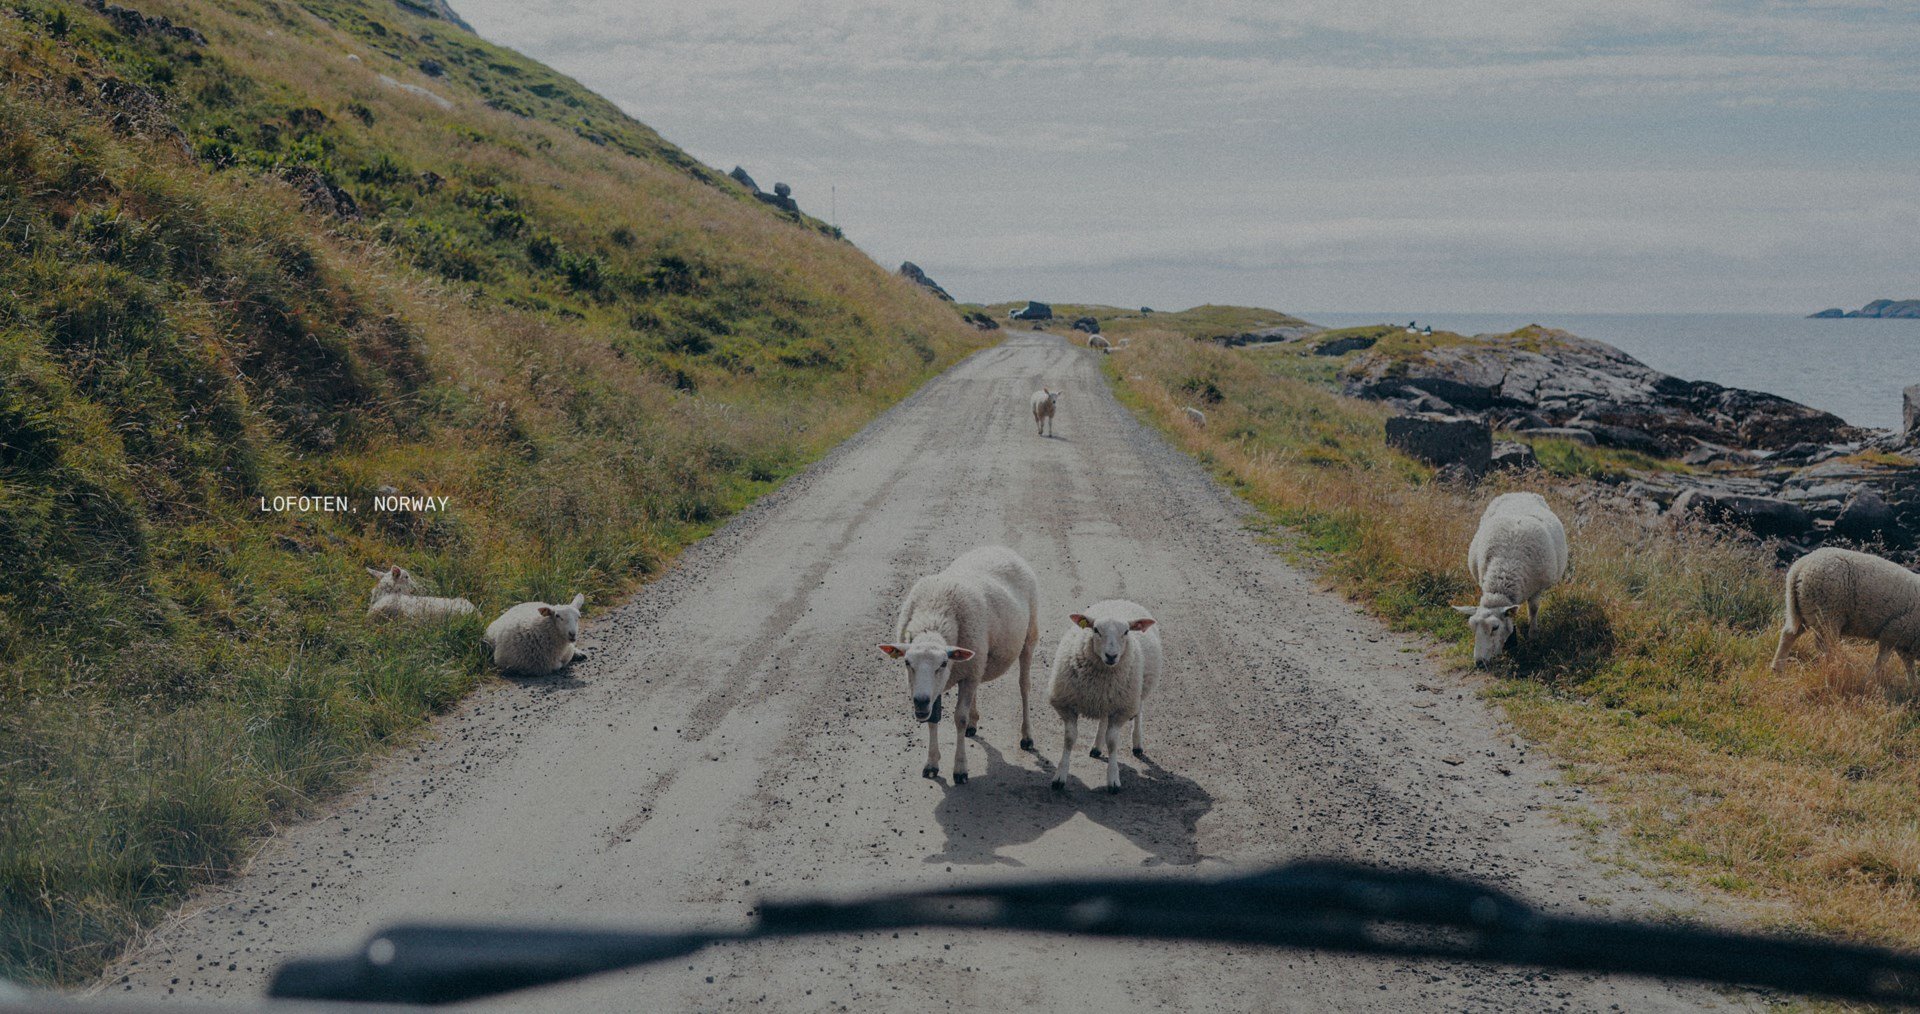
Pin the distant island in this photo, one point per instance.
(1877, 308)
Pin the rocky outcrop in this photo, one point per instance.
(1541, 378)
(1901, 308)
(1910, 414)
(132, 22)
(782, 196)
(1767, 517)
(1034, 310)
(1345, 344)
(1444, 441)
(912, 273)
(1086, 324)
(981, 321)
(1261, 336)
(320, 193)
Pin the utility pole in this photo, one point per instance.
(833, 204)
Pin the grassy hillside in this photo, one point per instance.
(266, 248)
(1648, 678)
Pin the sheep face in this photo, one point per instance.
(1492, 626)
(929, 666)
(393, 581)
(1110, 635)
(566, 618)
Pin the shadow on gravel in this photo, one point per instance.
(1006, 805)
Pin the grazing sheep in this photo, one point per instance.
(1043, 405)
(1195, 416)
(395, 596)
(1105, 668)
(1519, 552)
(1098, 342)
(1124, 342)
(536, 638)
(963, 627)
(1840, 593)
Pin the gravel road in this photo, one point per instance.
(737, 734)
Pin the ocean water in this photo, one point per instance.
(1852, 368)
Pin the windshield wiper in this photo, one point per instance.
(1314, 905)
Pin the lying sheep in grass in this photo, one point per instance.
(1105, 668)
(1097, 342)
(1840, 593)
(1195, 416)
(962, 627)
(1519, 552)
(536, 638)
(1044, 402)
(396, 596)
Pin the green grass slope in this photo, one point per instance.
(257, 248)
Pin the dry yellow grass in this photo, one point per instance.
(1798, 792)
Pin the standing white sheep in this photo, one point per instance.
(1044, 403)
(1195, 416)
(1098, 342)
(536, 638)
(1840, 593)
(395, 595)
(1519, 552)
(962, 627)
(1106, 666)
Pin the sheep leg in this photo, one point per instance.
(1533, 613)
(1071, 722)
(963, 707)
(1100, 738)
(1026, 682)
(1880, 659)
(1139, 737)
(973, 720)
(1787, 636)
(932, 769)
(1112, 729)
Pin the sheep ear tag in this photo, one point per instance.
(1081, 621)
(959, 654)
(892, 651)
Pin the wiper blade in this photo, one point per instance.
(1314, 905)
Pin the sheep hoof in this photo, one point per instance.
(1137, 752)
(1095, 753)
(973, 731)
(959, 778)
(1059, 786)
(1113, 790)
(930, 771)
(1026, 744)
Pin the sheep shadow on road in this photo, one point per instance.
(1008, 804)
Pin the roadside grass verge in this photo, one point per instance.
(1648, 678)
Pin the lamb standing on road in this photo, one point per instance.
(963, 627)
(1840, 593)
(1106, 666)
(1519, 552)
(396, 596)
(1044, 402)
(536, 638)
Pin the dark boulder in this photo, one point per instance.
(912, 273)
(1766, 517)
(433, 68)
(1515, 455)
(1443, 440)
(1866, 518)
(1342, 346)
(1034, 310)
(1910, 414)
(981, 321)
(739, 175)
(320, 193)
(1087, 324)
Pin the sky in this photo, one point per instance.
(1341, 155)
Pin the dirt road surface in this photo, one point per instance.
(737, 734)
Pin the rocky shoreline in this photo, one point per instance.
(1753, 462)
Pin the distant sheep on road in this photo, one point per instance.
(1518, 553)
(1106, 666)
(962, 627)
(536, 638)
(1840, 593)
(1044, 403)
(395, 596)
